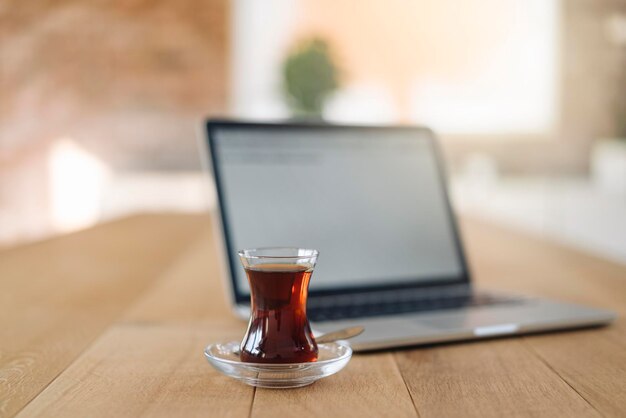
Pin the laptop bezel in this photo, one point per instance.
(231, 262)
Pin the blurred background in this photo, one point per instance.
(101, 102)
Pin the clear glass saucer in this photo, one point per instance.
(225, 358)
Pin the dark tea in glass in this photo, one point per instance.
(278, 331)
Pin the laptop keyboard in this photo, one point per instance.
(363, 306)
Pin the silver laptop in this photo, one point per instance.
(373, 201)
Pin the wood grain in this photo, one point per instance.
(591, 362)
(370, 385)
(58, 296)
(147, 370)
(190, 290)
(488, 379)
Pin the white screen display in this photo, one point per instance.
(371, 201)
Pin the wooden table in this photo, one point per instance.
(112, 322)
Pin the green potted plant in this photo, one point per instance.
(310, 76)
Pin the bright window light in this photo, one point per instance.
(77, 181)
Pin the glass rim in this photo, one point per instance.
(311, 253)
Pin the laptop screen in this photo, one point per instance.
(371, 200)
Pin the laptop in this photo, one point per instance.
(373, 201)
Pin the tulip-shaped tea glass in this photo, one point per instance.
(278, 331)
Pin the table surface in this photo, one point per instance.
(112, 322)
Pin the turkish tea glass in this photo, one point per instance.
(278, 331)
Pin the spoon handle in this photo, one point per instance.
(342, 334)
